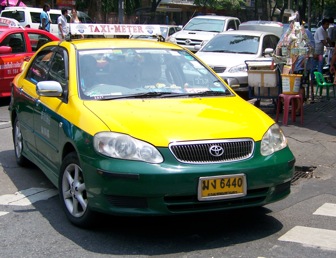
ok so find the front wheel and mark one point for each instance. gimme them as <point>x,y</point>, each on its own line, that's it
<point>73,194</point>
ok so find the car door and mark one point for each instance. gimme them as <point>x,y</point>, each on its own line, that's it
<point>11,63</point>
<point>47,122</point>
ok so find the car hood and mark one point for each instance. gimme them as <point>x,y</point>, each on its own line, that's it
<point>224,59</point>
<point>199,35</point>
<point>162,121</point>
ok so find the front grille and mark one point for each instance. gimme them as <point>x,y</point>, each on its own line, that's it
<point>212,151</point>
<point>218,69</point>
<point>188,42</point>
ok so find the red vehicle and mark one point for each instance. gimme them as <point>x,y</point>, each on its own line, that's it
<point>17,44</point>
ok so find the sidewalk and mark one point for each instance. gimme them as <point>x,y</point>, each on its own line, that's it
<point>314,142</point>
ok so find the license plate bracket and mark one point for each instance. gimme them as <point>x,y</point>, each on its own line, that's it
<point>221,187</point>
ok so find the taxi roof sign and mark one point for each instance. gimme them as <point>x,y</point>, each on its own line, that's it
<point>9,22</point>
<point>114,29</point>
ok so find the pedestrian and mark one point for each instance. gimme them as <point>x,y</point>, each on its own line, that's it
<point>332,31</point>
<point>45,18</point>
<point>333,64</point>
<point>74,19</point>
<point>63,24</point>
<point>321,40</point>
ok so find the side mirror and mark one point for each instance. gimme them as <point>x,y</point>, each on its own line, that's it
<point>49,89</point>
<point>268,51</point>
<point>5,50</point>
<point>197,47</point>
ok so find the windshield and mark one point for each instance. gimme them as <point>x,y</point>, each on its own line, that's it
<point>123,73</point>
<point>205,25</point>
<point>232,43</point>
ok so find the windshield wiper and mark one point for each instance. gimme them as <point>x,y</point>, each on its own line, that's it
<point>219,51</point>
<point>139,95</point>
<point>246,52</point>
<point>202,93</point>
<point>167,95</point>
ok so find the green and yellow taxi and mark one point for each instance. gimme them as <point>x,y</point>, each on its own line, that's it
<point>134,127</point>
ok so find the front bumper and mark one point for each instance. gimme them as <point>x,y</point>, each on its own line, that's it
<point>137,188</point>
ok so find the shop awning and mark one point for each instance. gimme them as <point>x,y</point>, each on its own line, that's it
<point>11,3</point>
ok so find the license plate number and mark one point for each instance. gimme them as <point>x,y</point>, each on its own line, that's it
<point>221,187</point>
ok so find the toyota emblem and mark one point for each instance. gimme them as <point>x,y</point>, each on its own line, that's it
<point>187,41</point>
<point>216,150</point>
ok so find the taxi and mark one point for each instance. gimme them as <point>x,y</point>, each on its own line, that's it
<point>134,127</point>
<point>17,44</point>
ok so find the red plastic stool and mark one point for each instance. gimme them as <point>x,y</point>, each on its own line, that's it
<point>289,99</point>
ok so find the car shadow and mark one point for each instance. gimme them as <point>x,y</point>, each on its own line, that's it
<point>165,235</point>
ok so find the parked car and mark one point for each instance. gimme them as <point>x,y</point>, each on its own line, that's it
<point>135,127</point>
<point>201,29</point>
<point>227,52</point>
<point>165,32</point>
<point>277,28</point>
<point>17,45</point>
<point>30,17</point>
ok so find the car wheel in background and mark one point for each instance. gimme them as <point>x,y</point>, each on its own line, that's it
<point>18,144</point>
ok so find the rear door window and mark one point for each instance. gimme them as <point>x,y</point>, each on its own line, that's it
<point>17,15</point>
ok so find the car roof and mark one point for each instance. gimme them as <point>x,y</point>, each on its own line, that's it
<point>247,32</point>
<point>11,8</point>
<point>262,22</point>
<point>215,17</point>
<point>101,43</point>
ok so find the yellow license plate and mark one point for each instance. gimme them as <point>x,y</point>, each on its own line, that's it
<point>221,187</point>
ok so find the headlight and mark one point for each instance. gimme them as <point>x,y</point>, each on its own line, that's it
<point>273,140</point>
<point>204,42</point>
<point>237,69</point>
<point>122,146</point>
<point>172,39</point>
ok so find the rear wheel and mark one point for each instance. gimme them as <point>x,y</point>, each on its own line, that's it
<point>18,144</point>
<point>73,194</point>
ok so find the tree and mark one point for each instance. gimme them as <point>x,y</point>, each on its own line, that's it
<point>221,4</point>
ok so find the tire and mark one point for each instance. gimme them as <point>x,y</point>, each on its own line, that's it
<point>73,194</point>
<point>18,145</point>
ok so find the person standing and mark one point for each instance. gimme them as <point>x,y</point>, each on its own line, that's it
<point>45,18</point>
<point>332,31</point>
<point>333,64</point>
<point>74,19</point>
<point>74,16</point>
<point>63,24</point>
<point>321,40</point>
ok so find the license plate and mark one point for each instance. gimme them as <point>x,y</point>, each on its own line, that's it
<point>221,187</point>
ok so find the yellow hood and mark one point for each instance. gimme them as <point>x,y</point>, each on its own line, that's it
<point>161,121</point>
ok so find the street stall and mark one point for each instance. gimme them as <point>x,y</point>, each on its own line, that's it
<point>295,51</point>
<point>264,80</point>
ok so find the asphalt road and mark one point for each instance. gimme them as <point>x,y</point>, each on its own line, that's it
<point>32,223</point>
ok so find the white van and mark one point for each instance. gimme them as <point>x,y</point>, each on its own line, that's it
<point>201,29</point>
<point>30,16</point>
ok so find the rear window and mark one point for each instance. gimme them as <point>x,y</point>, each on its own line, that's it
<point>17,15</point>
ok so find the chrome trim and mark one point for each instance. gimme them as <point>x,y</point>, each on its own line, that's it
<point>198,152</point>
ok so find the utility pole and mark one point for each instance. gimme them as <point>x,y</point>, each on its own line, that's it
<point>121,12</point>
<point>309,14</point>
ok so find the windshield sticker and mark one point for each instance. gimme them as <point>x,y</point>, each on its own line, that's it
<point>159,51</point>
<point>195,90</point>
